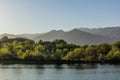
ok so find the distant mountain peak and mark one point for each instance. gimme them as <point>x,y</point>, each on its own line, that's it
<point>60,30</point>
<point>56,31</point>
<point>53,31</point>
<point>75,30</point>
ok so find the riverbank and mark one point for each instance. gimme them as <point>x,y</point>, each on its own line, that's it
<point>56,62</point>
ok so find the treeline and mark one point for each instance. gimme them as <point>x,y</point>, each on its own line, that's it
<point>58,50</point>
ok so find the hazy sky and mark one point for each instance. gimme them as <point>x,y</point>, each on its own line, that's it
<point>37,16</point>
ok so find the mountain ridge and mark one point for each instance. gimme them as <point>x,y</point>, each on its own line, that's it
<point>79,36</point>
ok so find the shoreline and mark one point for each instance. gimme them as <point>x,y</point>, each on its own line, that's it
<point>57,62</point>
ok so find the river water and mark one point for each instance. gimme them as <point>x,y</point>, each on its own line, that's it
<point>60,72</point>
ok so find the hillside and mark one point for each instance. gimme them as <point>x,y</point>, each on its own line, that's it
<point>74,36</point>
<point>81,36</point>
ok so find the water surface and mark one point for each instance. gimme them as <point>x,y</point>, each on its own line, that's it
<point>60,72</point>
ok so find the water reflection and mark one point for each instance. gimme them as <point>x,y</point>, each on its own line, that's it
<point>58,66</point>
<point>82,66</point>
<point>22,66</point>
<point>60,72</point>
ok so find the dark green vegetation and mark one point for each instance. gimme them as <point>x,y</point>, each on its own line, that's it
<point>21,49</point>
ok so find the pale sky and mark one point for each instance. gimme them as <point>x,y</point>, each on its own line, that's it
<point>38,16</point>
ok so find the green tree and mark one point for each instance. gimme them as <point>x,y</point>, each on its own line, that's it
<point>91,53</point>
<point>76,55</point>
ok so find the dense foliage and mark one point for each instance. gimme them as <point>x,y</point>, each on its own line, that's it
<point>57,50</point>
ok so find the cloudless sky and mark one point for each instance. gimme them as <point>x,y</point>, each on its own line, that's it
<point>38,16</point>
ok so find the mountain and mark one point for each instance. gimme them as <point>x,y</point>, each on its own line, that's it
<point>81,36</point>
<point>28,36</point>
<point>74,36</point>
<point>50,36</point>
<point>111,32</point>
<point>115,34</point>
<point>108,31</point>
<point>9,35</point>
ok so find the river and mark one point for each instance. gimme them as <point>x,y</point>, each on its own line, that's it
<point>60,72</point>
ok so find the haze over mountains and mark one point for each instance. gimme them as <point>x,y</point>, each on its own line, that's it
<point>79,36</point>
